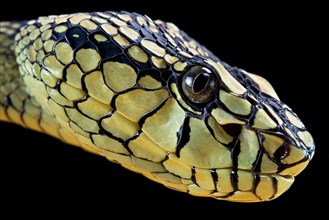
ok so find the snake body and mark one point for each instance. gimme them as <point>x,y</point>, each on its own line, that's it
<point>143,94</point>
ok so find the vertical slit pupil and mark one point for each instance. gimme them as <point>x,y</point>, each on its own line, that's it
<point>200,82</point>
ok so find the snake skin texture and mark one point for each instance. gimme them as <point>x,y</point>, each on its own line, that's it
<point>144,94</point>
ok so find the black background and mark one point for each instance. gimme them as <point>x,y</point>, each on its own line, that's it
<point>281,42</point>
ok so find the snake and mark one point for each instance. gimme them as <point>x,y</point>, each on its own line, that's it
<point>143,94</point>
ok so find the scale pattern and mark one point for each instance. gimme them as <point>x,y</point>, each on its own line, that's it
<point>110,82</point>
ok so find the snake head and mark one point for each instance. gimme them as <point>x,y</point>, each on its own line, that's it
<point>147,96</point>
<point>258,144</point>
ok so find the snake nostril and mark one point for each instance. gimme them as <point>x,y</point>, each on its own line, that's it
<point>282,152</point>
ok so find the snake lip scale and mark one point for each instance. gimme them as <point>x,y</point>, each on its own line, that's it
<point>145,95</point>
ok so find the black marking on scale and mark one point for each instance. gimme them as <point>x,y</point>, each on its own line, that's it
<point>254,187</point>
<point>89,132</point>
<point>209,128</point>
<point>258,161</point>
<point>92,36</point>
<point>183,135</point>
<point>283,166</point>
<point>253,111</point>
<point>128,37</point>
<point>238,116</point>
<point>234,179</point>
<point>227,195</point>
<point>76,37</point>
<point>236,149</point>
<point>276,105</point>
<point>165,75</point>
<point>193,178</point>
<point>83,83</point>
<point>105,131</point>
<point>58,87</point>
<point>149,114</point>
<point>76,106</point>
<point>275,187</point>
<point>40,118</point>
<point>214,177</point>
<point>21,115</point>
<point>64,76</point>
<point>245,80</point>
<point>166,158</point>
<point>147,34</point>
<point>152,72</point>
<point>162,41</point>
<point>116,94</point>
<point>59,35</point>
<point>133,24</point>
<point>10,103</point>
<point>109,49</point>
<point>120,58</point>
<point>139,65</point>
<point>135,136</point>
<point>89,45</point>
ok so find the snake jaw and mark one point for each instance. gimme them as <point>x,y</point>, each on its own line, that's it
<point>268,144</point>
<point>266,190</point>
<point>240,185</point>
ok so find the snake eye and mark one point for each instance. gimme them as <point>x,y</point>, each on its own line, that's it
<point>199,84</point>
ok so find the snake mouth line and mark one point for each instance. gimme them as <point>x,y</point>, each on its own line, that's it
<point>242,185</point>
<point>234,172</point>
